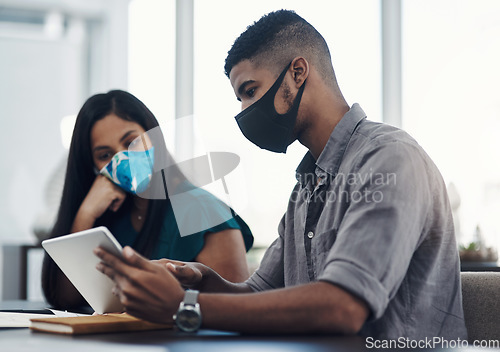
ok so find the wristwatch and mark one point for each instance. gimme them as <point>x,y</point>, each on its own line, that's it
<point>188,316</point>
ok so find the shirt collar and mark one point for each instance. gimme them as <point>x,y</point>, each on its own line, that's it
<point>331,156</point>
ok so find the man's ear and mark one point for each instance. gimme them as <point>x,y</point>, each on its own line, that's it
<point>300,70</point>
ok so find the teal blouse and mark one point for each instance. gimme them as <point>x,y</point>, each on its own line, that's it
<point>171,244</point>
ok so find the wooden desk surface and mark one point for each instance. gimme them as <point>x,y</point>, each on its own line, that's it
<point>25,340</point>
<point>173,341</point>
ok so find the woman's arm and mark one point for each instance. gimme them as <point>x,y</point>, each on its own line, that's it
<point>103,195</point>
<point>225,253</point>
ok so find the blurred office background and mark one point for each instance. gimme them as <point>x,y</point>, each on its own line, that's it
<point>428,66</point>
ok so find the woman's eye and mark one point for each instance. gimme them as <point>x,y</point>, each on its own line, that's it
<point>104,156</point>
<point>134,144</point>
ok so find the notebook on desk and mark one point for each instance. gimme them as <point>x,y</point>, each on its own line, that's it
<point>93,324</point>
<point>18,320</point>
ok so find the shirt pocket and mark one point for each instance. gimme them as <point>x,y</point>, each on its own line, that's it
<point>321,245</point>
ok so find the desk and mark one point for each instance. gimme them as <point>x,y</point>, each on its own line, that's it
<point>172,341</point>
<point>25,340</point>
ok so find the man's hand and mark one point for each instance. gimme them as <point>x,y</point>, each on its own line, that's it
<point>200,277</point>
<point>190,275</point>
<point>147,289</point>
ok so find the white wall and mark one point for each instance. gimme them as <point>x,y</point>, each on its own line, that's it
<point>451,56</point>
<point>48,67</point>
<point>42,81</point>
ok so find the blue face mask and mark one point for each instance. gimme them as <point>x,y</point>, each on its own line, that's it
<point>130,170</point>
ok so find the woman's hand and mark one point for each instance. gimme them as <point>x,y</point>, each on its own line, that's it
<point>103,195</point>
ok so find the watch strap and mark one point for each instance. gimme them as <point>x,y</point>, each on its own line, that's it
<point>191,297</point>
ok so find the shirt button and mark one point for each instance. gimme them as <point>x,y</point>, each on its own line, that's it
<point>310,234</point>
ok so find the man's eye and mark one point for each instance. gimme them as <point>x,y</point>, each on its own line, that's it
<point>250,92</point>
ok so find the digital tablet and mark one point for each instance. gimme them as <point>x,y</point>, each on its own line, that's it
<point>74,255</point>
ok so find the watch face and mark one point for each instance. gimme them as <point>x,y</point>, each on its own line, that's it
<point>188,319</point>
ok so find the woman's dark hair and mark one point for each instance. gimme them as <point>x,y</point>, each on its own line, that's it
<point>80,176</point>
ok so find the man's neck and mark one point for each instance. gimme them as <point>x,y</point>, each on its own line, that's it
<point>320,127</point>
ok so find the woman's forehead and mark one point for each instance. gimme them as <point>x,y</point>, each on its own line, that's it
<point>112,128</point>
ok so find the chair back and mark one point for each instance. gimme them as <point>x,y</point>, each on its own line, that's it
<point>481,302</point>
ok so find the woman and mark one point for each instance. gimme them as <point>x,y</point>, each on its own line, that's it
<point>98,190</point>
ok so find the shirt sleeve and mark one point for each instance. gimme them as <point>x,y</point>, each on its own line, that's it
<point>381,230</point>
<point>206,213</point>
<point>270,274</point>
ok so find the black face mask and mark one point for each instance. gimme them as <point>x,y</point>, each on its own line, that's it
<point>263,126</point>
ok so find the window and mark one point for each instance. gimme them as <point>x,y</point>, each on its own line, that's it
<point>451,102</point>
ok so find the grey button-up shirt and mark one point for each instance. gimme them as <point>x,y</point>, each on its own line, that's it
<point>372,216</point>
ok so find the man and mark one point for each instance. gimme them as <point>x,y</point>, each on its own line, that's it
<point>366,245</point>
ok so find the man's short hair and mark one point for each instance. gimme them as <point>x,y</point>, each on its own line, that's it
<point>276,39</point>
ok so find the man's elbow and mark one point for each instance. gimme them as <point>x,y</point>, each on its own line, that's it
<point>354,318</point>
<point>346,314</point>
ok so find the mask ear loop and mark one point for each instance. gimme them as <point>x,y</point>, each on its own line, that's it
<point>271,93</point>
<point>268,96</point>
<point>295,107</point>
<point>145,145</point>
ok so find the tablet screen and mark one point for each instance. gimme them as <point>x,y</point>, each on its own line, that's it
<point>75,257</point>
